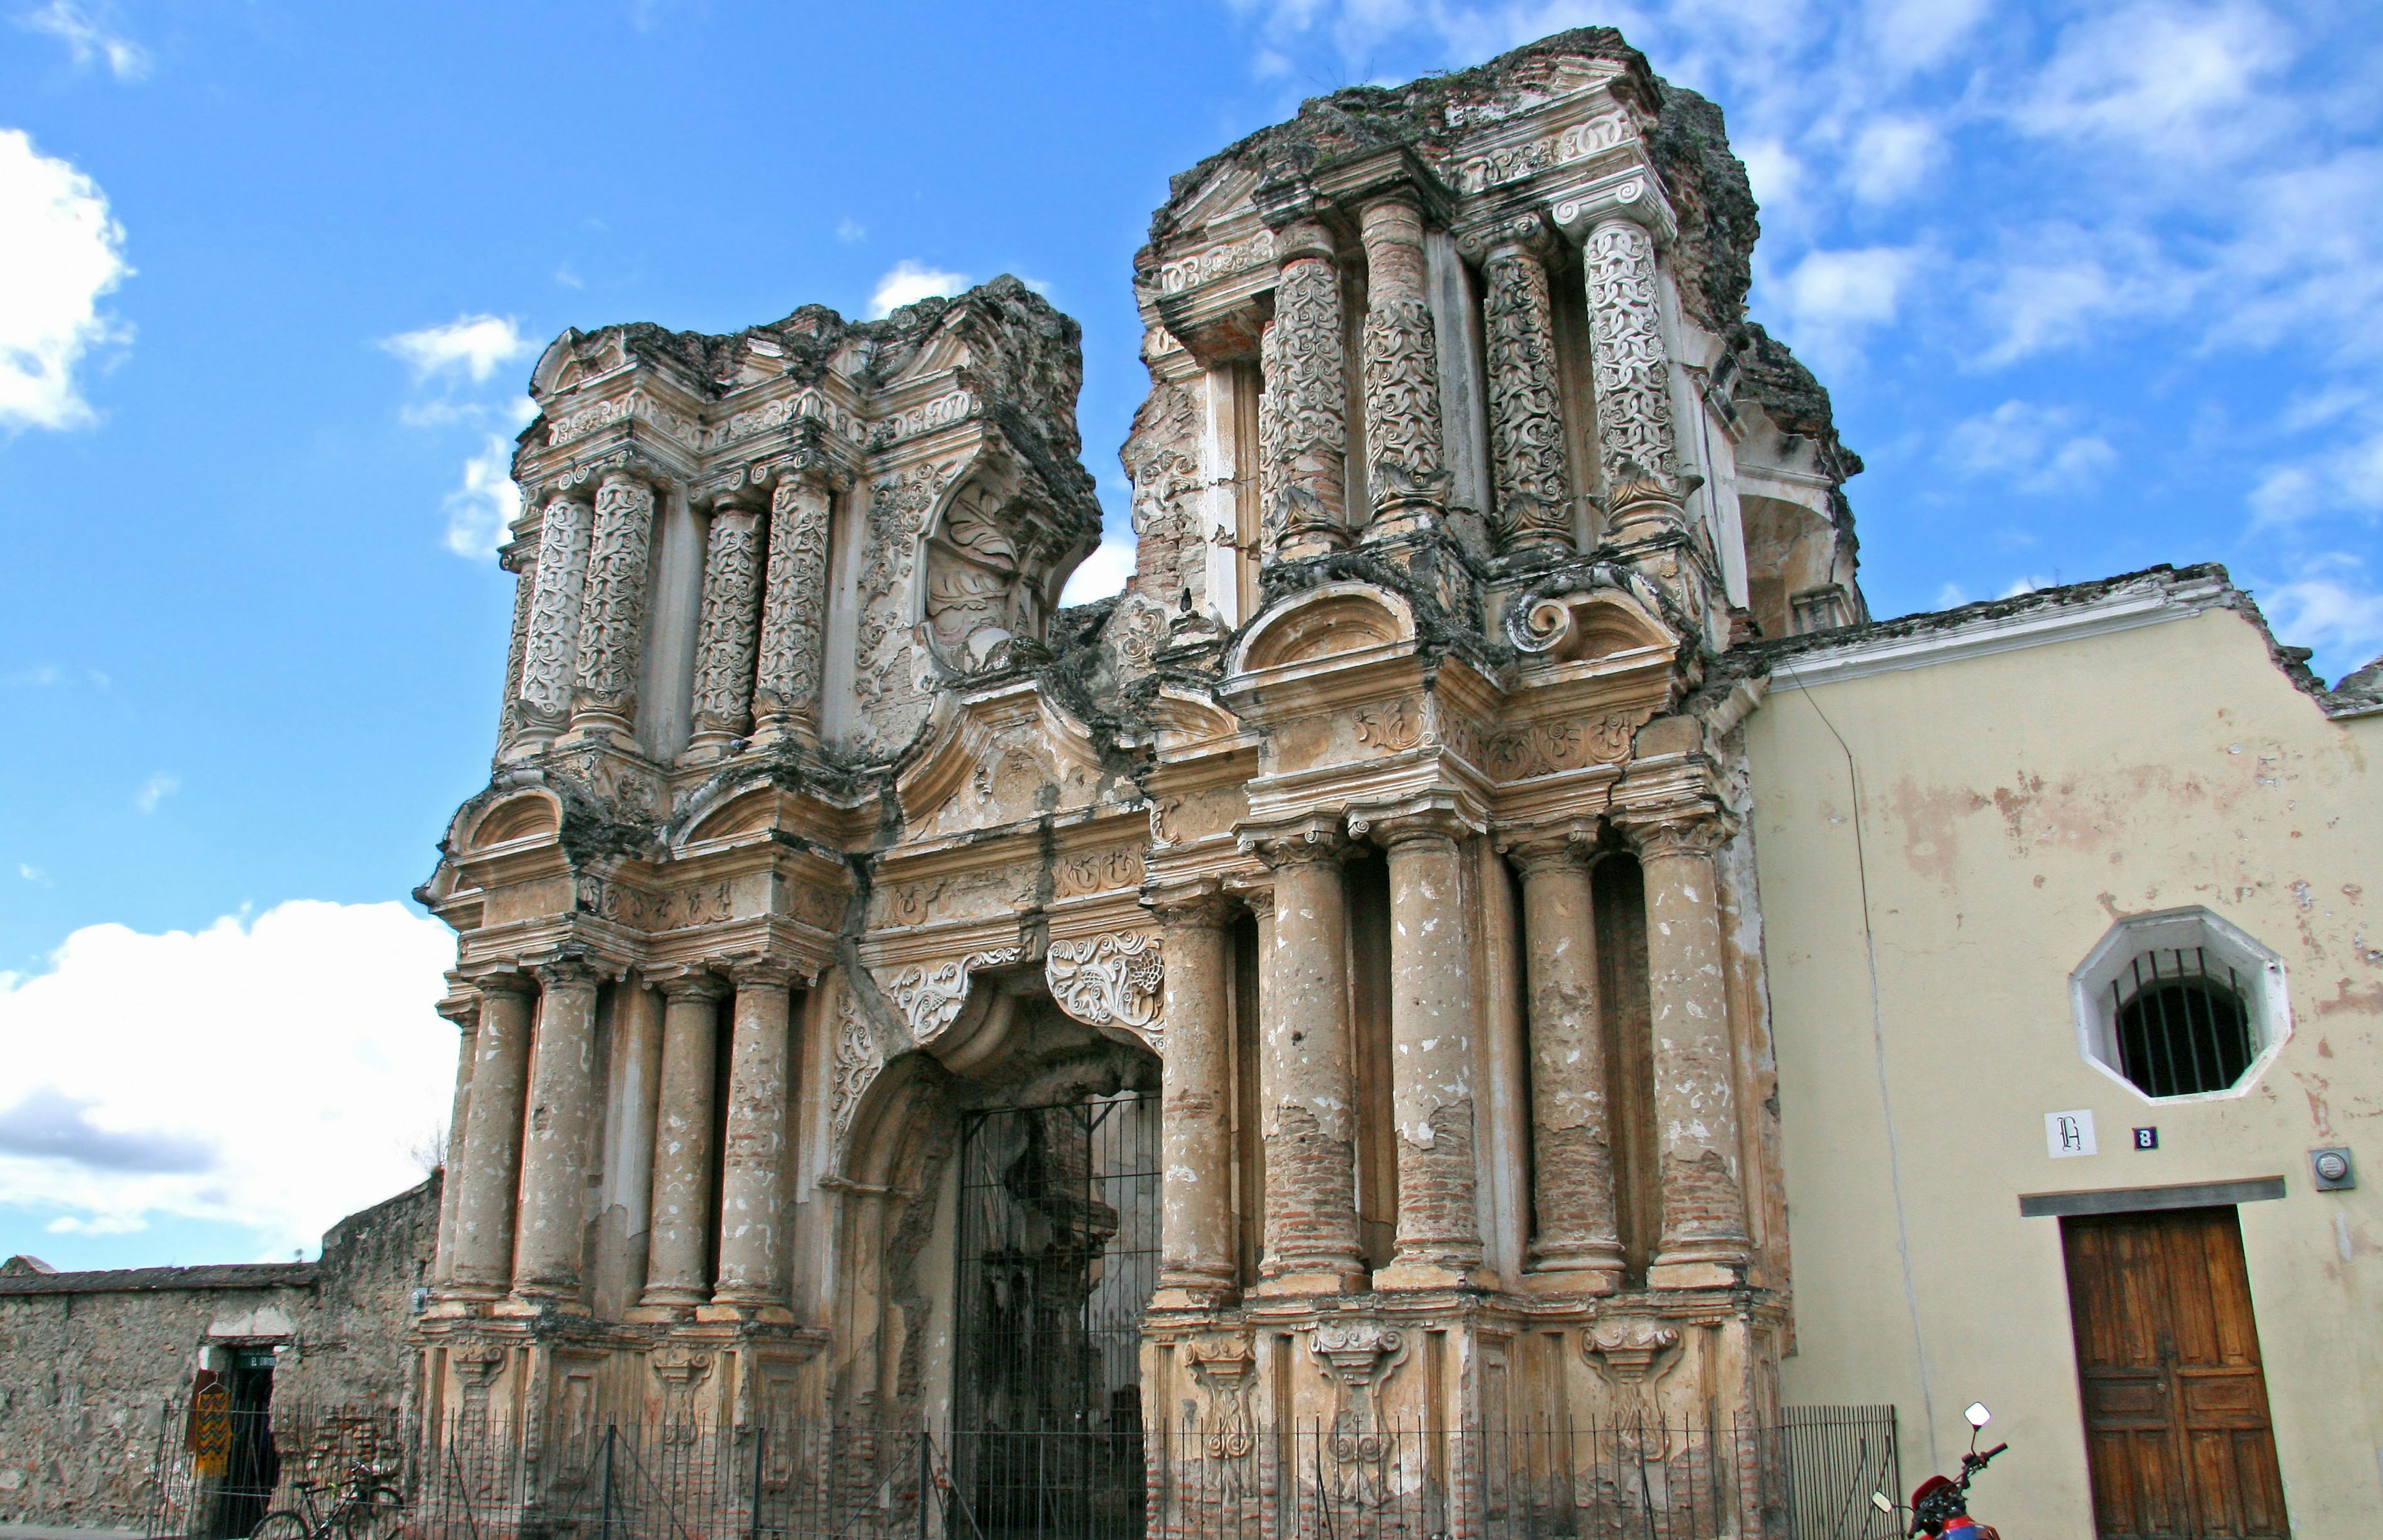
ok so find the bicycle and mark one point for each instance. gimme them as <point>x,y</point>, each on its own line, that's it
<point>367,1509</point>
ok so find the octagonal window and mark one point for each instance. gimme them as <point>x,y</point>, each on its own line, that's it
<point>2180,1004</point>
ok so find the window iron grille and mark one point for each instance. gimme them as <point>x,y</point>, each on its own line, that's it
<point>2182,1027</point>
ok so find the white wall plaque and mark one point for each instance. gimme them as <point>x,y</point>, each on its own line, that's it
<point>2069,1133</point>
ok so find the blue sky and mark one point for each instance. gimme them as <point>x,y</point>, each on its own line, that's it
<point>2094,287</point>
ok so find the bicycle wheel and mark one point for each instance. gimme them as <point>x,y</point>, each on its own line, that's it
<point>377,1514</point>
<point>284,1525</point>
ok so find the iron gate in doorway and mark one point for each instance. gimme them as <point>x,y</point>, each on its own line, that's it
<point>1059,1249</point>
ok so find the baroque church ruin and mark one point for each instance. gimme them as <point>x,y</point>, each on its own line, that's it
<point>1328,1041</point>
<point>1347,936</point>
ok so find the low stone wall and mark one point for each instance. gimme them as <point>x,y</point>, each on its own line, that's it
<point>90,1362</point>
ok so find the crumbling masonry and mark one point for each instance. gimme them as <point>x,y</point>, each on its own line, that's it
<point>1387,830</point>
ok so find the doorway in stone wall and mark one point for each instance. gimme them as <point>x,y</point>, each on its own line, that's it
<point>1058,1257</point>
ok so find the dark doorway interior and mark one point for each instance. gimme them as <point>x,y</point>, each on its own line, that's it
<point>2167,1359</point>
<point>1058,1258</point>
<point>252,1467</point>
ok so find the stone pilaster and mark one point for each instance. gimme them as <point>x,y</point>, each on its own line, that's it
<point>465,1012</point>
<point>550,654</point>
<point>1306,1070</point>
<point>752,1198</point>
<point>1406,480</point>
<point>1578,1243</point>
<point>1196,1203</point>
<point>1526,437</point>
<point>725,639</point>
<point>678,1252</point>
<point>547,1252</point>
<point>1432,1029</point>
<point>492,1139</point>
<point>612,611</point>
<point>1303,410</point>
<point>794,615</point>
<point>1704,1238</point>
<point>1635,446</point>
<point>522,561</point>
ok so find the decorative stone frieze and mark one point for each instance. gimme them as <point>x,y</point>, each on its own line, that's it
<point>930,997</point>
<point>1116,979</point>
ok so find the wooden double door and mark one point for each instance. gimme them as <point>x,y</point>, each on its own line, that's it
<point>2168,1354</point>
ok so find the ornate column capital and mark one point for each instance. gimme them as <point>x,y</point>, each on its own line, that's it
<point>1672,833</point>
<point>462,1010</point>
<point>1296,841</point>
<point>1570,843</point>
<point>764,972</point>
<point>1434,818</point>
<point>511,979</point>
<point>1201,901</point>
<point>568,972</point>
<point>694,984</point>
<point>1528,234</point>
<point>1304,238</point>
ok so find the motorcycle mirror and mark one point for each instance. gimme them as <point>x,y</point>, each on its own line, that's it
<point>1978,1414</point>
<point>1879,1500</point>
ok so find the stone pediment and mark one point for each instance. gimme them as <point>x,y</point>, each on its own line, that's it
<point>999,756</point>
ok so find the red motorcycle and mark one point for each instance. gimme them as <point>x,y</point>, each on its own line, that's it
<point>1941,1506</point>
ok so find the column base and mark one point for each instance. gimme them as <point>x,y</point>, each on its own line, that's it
<point>761,1311</point>
<point>527,1301</point>
<point>775,729</point>
<point>1430,1274</point>
<point>707,749</point>
<point>1206,1296</point>
<point>1696,1275</point>
<point>1301,1283</point>
<point>1572,1280</point>
<point>595,727</point>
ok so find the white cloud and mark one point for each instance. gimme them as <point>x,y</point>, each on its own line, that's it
<point>2174,82</point>
<point>63,251</point>
<point>2346,475</point>
<point>2027,583</point>
<point>1773,172</point>
<point>478,510</point>
<point>156,789</point>
<point>850,230</point>
<point>1891,156</point>
<point>1834,297</point>
<point>2036,449</point>
<point>272,1075</point>
<point>33,873</point>
<point>1952,597</point>
<point>1104,572</point>
<point>473,345</point>
<point>908,282</point>
<point>89,37</point>
<point>2333,607</point>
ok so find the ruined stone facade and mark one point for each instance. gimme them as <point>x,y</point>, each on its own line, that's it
<point>1387,831</point>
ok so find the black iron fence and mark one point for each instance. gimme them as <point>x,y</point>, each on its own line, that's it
<point>352,1475</point>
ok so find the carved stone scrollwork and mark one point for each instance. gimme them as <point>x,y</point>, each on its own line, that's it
<point>1527,440</point>
<point>1358,1357</point>
<point>1113,980</point>
<point>1226,1368</point>
<point>613,610</point>
<point>680,1371</point>
<point>1635,443</point>
<point>1407,477</point>
<point>930,1000</point>
<point>856,1062</point>
<point>550,662</point>
<point>1303,410</point>
<point>984,604</point>
<point>1627,1351</point>
<point>724,671</point>
<point>794,604</point>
